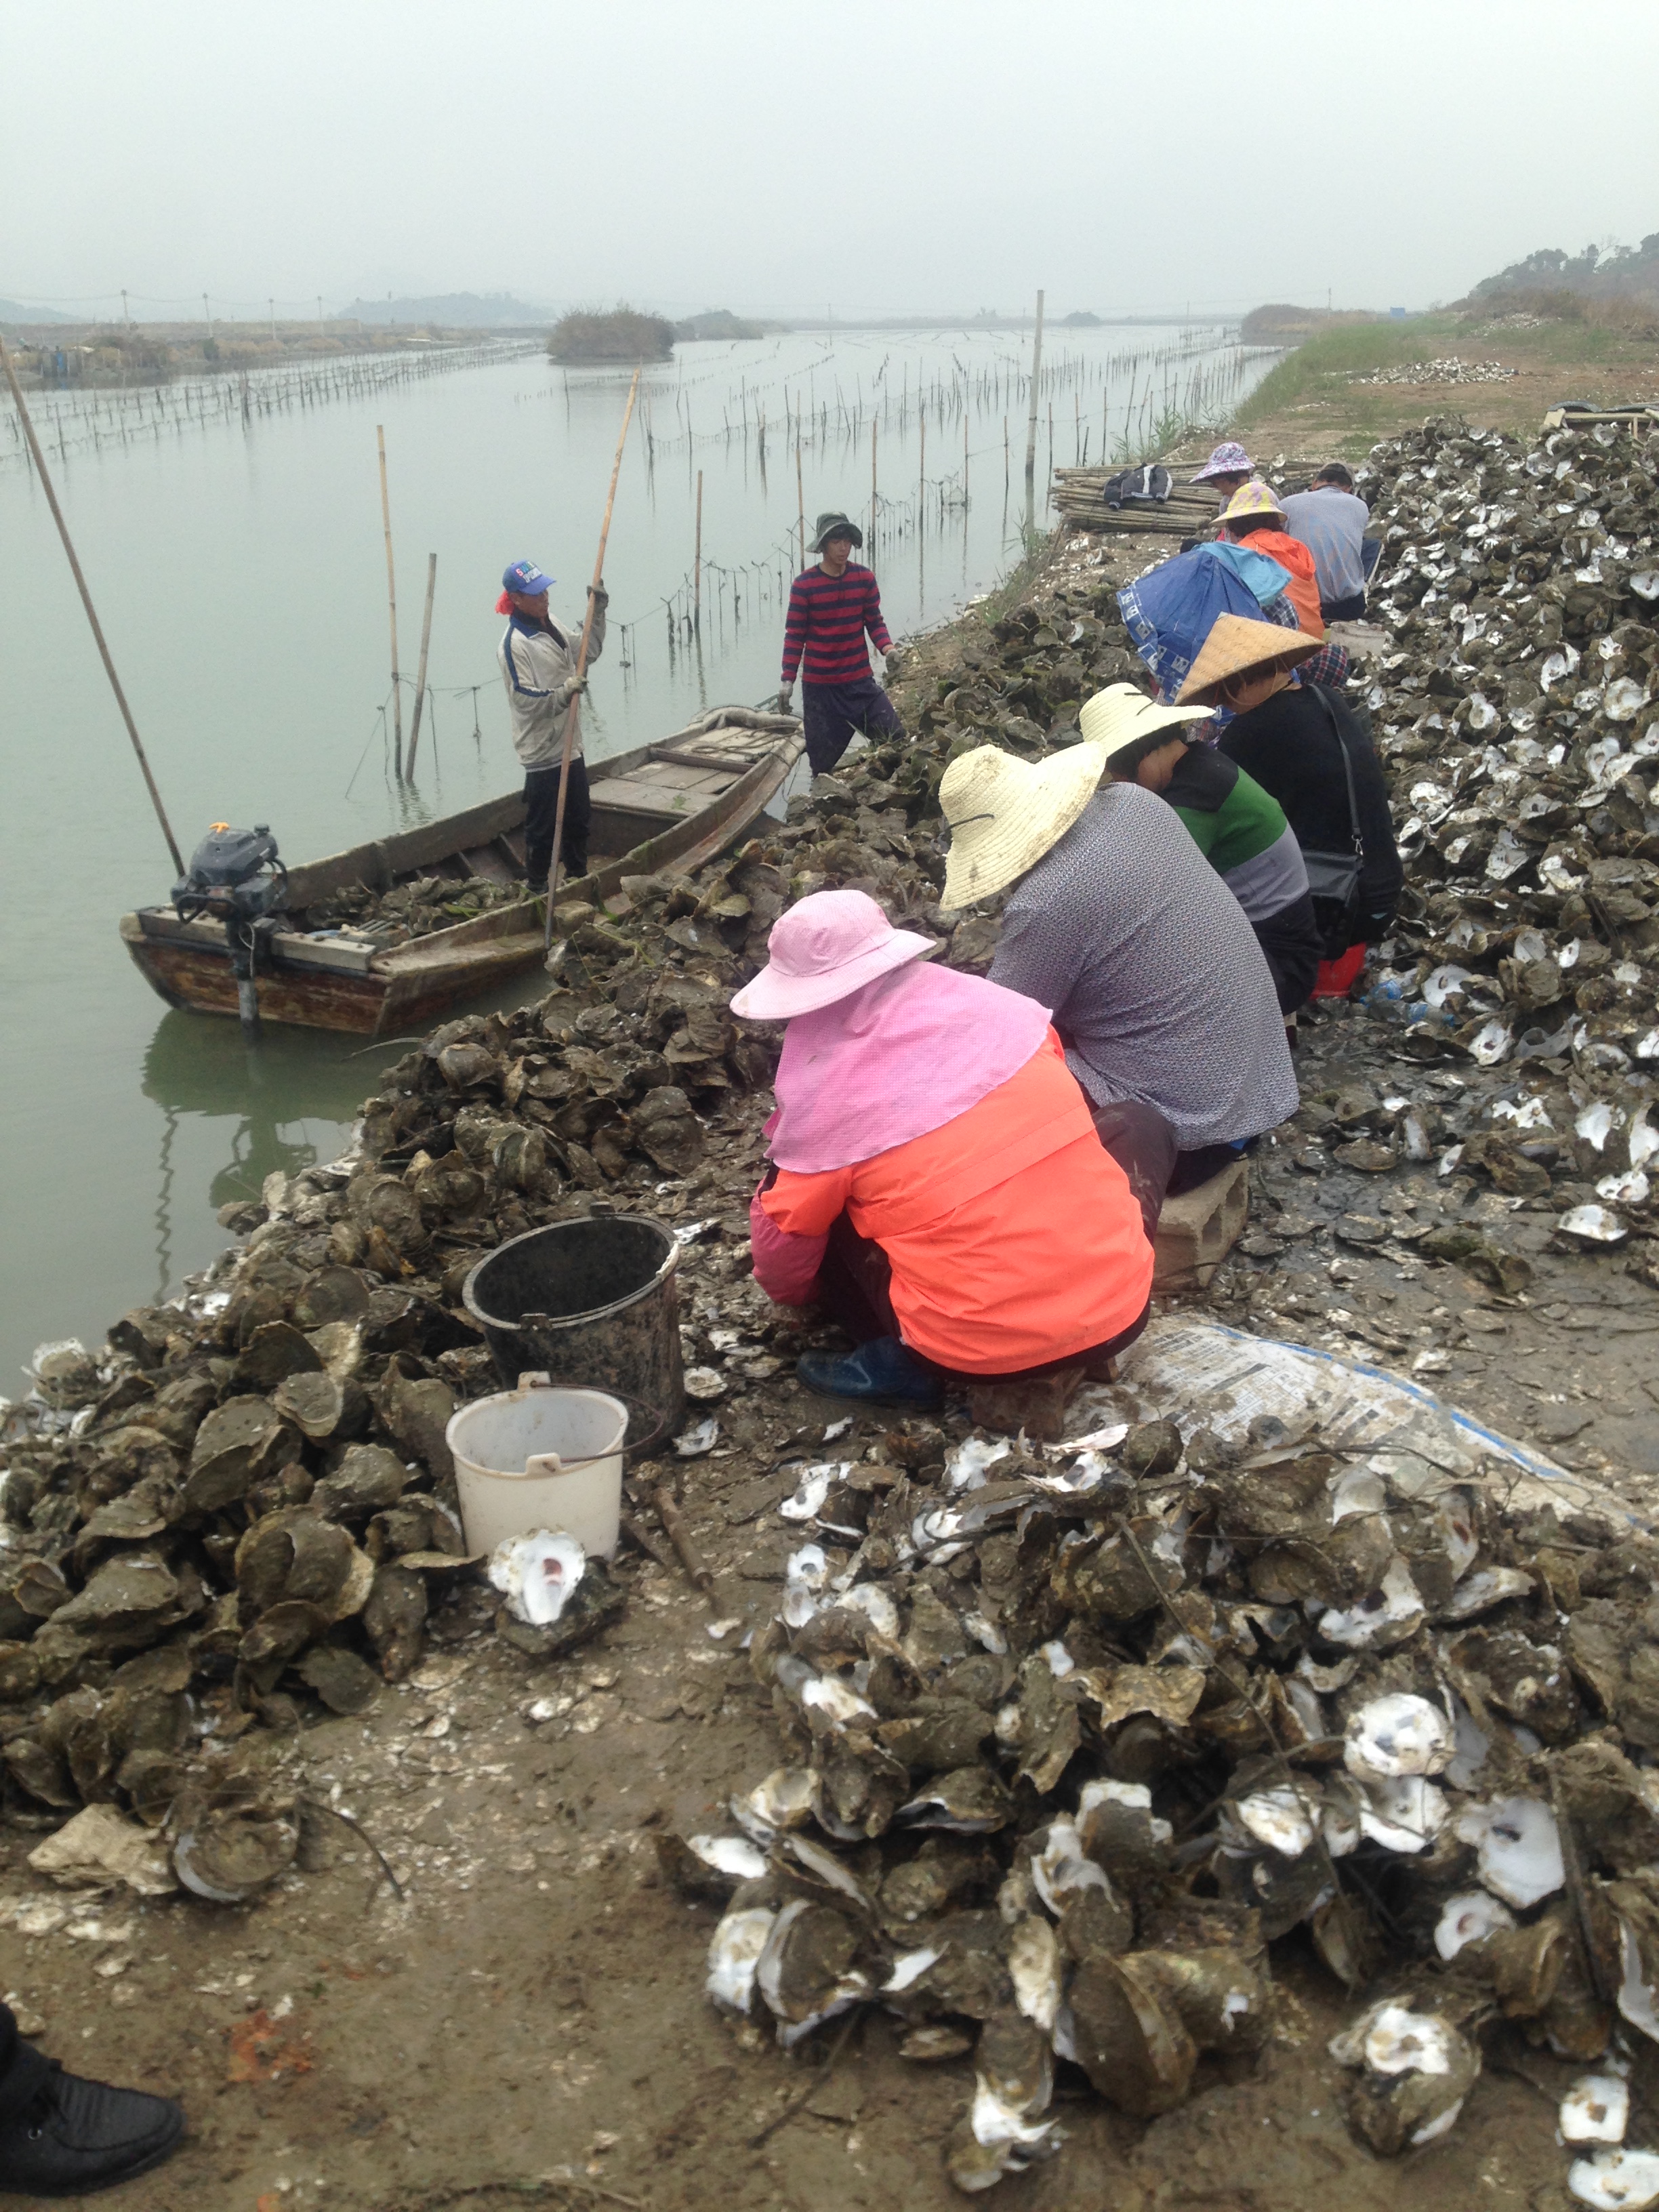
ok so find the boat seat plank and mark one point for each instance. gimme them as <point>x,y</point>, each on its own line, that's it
<point>643,799</point>
<point>737,763</point>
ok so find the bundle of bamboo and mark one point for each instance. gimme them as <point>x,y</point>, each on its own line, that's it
<point>1079,497</point>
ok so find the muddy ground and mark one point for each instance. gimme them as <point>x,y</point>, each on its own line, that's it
<point>531,2007</point>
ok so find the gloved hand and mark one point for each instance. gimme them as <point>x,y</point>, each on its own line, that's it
<point>575,688</point>
<point>784,699</point>
<point>598,591</point>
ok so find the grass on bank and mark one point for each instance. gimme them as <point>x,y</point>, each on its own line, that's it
<point>1311,403</point>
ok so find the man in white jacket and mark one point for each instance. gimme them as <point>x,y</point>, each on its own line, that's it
<point>538,666</point>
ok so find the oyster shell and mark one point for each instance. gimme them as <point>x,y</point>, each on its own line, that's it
<point>734,1954</point>
<point>1469,1918</point>
<point>806,1971</point>
<point>1518,1847</point>
<point>1595,2109</point>
<point>538,1574</point>
<point>1397,1735</point>
<point>1616,2180</point>
<point>1412,2071</point>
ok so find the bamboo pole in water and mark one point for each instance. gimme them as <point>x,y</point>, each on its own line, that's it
<point>420,678</point>
<point>92,612</point>
<point>872,485</point>
<point>697,565</point>
<point>391,598</point>
<point>1031,419</point>
<point>800,500</point>
<point>581,669</point>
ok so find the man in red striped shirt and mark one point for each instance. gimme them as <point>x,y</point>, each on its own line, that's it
<point>830,608</point>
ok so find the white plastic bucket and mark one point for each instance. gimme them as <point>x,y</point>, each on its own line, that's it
<point>540,1458</point>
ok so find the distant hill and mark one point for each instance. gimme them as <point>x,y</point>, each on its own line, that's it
<point>456,310</point>
<point>1080,320</point>
<point>1616,272</point>
<point>718,323</point>
<point>13,311</point>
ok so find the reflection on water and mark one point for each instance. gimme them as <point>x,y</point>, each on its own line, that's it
<point>284,1103</point>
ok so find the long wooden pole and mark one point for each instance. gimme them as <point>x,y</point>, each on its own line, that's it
<point>800,501</point>
<point>697,565</point>
<point>391,599</point>
<point>581,669</point>
<point>426,638</point>
<point>872,484</point>
<point>1031,419</point>
<point>92,612</point>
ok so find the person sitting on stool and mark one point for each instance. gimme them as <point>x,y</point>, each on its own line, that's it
<point>538,666</point>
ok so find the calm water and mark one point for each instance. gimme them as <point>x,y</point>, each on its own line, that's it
<point>240,573</point>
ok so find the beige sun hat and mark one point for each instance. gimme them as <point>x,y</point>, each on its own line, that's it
<point>1252,499</point>
<point>1236,645</point>
<point>1122,716</point>
<point>1005,814</point>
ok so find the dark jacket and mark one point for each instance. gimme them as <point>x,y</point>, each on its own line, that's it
<point>1288,744</point>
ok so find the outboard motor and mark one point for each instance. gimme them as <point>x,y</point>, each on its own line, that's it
<point>235,875</point>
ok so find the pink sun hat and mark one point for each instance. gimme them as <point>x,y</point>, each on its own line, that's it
<point>826,947</point>
<point>1227,461</point>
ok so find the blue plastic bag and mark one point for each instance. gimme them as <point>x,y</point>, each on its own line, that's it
<point>1170,611</point>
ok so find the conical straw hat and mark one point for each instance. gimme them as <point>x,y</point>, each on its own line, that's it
<point>1121,716</point>
<point>1005,814</point>
<point>1236,644</point>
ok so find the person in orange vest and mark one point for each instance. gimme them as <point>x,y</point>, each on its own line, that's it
<point>1254,513</point>
<point>936,1184</point>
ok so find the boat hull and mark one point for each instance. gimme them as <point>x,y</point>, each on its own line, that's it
<point>313,983</point>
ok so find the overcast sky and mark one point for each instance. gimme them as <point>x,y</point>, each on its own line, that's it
<point>871,155</point>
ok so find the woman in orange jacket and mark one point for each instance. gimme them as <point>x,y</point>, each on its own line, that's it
<point>1254,513</point>
<point>937,1183</point>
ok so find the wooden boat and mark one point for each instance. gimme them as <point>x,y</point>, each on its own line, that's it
<point>662,809</point>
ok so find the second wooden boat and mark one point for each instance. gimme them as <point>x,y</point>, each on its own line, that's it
<point>662,809</point>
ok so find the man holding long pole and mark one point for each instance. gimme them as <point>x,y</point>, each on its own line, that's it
<point>539,666</point>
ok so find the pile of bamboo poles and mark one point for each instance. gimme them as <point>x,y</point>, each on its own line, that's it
<point>1079,498</point>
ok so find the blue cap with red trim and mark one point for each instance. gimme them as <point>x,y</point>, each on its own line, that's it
<point>527,580</point>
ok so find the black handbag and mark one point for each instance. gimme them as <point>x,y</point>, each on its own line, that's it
<point>1334,877</point>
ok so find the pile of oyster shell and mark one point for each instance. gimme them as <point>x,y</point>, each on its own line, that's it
<point>1517,713</point>
<point>239,1513</point>
<point>1075,1737</point>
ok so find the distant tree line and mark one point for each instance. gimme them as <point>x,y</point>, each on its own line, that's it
<point>1599,272</point>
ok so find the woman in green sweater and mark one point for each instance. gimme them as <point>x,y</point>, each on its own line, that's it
<point>1237,826</point>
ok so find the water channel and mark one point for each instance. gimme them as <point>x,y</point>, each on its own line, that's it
<point>238,565</point>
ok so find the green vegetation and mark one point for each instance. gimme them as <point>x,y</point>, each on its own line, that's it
<point>1312,402</point>
<point>588,335</point>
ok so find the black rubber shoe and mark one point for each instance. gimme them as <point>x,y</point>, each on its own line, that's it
<point>79,2135</point>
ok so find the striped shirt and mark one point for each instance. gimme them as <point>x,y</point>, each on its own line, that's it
<point>827,617</point>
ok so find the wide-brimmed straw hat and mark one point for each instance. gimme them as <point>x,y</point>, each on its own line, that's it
<point>826,947</point>
<point>1253,498</point>
<point>1122,716</point>
<point>1005,814</point>
<point>1234,646</point>
<point>1227,461</point>
<point>835,526</point>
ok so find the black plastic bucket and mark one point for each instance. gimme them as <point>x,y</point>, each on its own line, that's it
<point>593,1304</point>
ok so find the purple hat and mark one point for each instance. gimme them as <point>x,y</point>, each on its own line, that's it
<point>826,947</point>
<point>524,578</point>
<point>1228,460</point>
